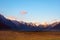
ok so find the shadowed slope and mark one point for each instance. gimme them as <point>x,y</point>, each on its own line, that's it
<point>7,24</point>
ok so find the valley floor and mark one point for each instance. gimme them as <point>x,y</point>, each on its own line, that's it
<point>14,35</point>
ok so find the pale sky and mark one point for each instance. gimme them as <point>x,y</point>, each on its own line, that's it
<point>31,10</point>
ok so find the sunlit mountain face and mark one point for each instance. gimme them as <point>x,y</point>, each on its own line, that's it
<point>34,23</point>
<point>11,18</point>
<point>45,24</point>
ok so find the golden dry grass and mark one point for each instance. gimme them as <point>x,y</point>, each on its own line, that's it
<point>13,35</point>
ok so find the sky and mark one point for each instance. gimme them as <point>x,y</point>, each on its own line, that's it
<point>31,10</point>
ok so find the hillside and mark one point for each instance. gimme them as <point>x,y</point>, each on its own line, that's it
<point>6,24</point>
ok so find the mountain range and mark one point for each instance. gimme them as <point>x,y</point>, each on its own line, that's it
<point>7,24</point>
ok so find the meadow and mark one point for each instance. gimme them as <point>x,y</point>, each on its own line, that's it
<point>14,35</point>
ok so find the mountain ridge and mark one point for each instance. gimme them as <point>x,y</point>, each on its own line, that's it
<point>6,24</point>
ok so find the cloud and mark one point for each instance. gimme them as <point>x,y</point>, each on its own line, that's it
<point>23,12</point>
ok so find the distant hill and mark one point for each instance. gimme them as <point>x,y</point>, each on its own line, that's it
<point>56,26</point>
<point>6,24</point>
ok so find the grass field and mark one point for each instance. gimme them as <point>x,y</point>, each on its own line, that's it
<point>13,35</point>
